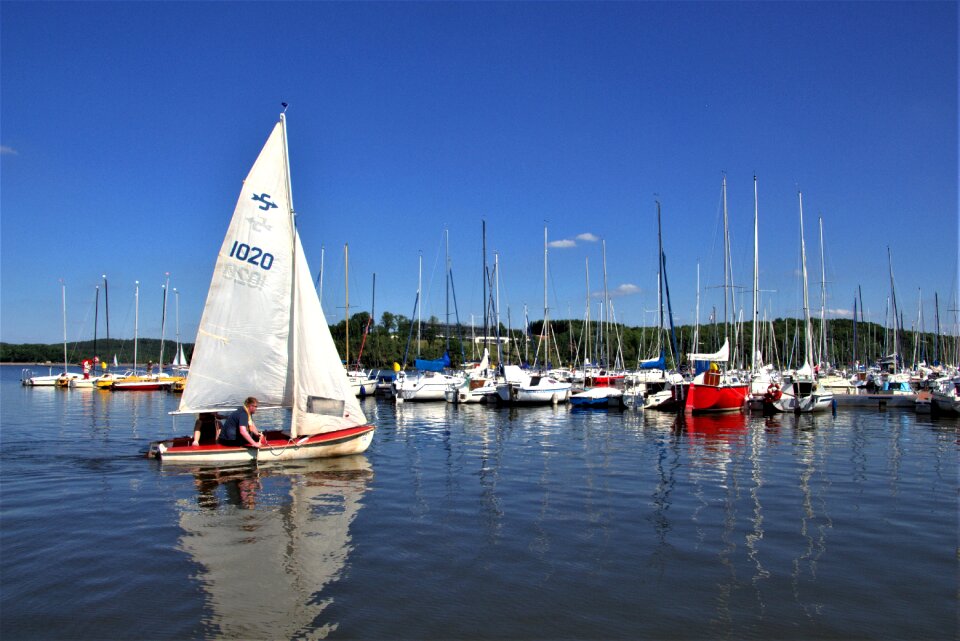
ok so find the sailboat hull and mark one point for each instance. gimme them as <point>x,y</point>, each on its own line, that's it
<point>279,447</point>
<point>789,403</point>
<point>705,399</point>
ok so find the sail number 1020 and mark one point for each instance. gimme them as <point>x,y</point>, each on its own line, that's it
<point>252,255</point>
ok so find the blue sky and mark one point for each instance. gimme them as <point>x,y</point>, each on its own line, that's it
<point>126,129</point>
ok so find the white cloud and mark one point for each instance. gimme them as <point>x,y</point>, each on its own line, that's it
<point>627,289</point>
<point>561,244</point>
<point>7,151</point>
<point>587,237</point>
<point>840,313</point>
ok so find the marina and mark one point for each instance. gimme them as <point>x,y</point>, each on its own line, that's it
<point>478,521</point>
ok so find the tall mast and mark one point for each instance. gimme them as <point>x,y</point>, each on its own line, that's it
<point>176,301</point>
<point>293,277</point>
<point>106,304</point>
<point>419,306</point>
<point>726,258</point>
<point>824,356</point>
<point>605,326</point>
<point>936,339</point>
<point>496,282</point>
<point>136,321</point>
<point>756,276</point>
<point>320,275</point>
<point>163,321</point>
<point>63,300</point>
<point>96,318</point>
<point>446,235</point>
<point>893,304</point>
<point>586,328</point>
<point>546,316</point>
<point>486,279</point>
<point>696,332</point>
<point>808,339</point>
<point>660,326</point>
<point>346,313</point>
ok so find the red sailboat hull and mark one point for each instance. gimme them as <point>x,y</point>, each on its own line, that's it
<point>703,398</point>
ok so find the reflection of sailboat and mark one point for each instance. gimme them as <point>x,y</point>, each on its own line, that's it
<point>263,571</point>
<point>713,425</point>
<point>263,334</point>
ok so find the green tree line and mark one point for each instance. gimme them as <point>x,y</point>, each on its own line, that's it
<point>395,339</point>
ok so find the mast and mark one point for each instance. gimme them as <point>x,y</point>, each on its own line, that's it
<point>808,339</point>
<point>136,322</point>
<point>163,322</point>
<point>660,326</point>
<point>106,304</point>
<point>605,325</point>
<point>96,318</point>
<point>586,329</point>
<point>176,300</point>
<point>446,235</point>
<point>756,276</point>
<point>292,365</point>
<point>696,331</point>
<point>893,304</point>
<point>855,332</point>
<point>726,259</point>
<point>346,315</point>
<point>486,300</point>
<point>63,300</point>
<point>419,307</point>
<point>546,316</point>
<point>824,356</point>
<point>936,339</point>
<point>320,274</point>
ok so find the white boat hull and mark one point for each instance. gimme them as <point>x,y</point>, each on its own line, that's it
<point>520,395</point>
<point>279,447</point>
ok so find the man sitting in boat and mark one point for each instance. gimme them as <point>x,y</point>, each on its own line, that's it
<point>238,430</point>
<point>207,428</point>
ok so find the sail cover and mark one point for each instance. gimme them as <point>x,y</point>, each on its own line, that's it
<point>245,343</point>
<point>437,365</point>
<point>655,363</point>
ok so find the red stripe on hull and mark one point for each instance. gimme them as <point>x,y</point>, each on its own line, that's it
<point>278,443</point>
<point>710,398</point>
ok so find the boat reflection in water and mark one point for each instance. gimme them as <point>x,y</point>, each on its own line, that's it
<point>269,540</point>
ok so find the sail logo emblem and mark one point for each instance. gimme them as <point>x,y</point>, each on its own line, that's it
<point>265,199</point>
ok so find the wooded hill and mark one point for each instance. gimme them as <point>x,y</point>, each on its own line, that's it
<point>396,336</point>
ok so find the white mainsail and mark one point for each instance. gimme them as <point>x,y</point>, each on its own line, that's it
<point>263,332</point>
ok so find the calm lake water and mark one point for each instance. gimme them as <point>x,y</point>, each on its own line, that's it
<point>480,523</point>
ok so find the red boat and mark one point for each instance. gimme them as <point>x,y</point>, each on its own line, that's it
<point>714,390</point>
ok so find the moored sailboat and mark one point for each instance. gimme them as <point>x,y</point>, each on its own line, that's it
<point>263,334</point>
<point>802,392</point>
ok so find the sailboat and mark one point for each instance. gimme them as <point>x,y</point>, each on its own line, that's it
<point>519,387</point>
<point>802,392</point>
<point>652,385</point>
<point>135,380</point>
<point>361,382</point>
<point>263,334</point>
<point>716,389</point>
<point>54,380</point>
<point>180,364</point>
